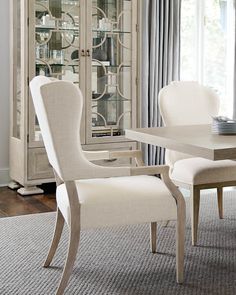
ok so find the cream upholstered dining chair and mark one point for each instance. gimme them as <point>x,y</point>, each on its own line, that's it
<point>91,196</point>
<point>189,103</point>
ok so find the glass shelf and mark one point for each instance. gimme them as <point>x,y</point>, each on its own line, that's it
<point>98,131</point>
<point>74,65</point>
<point>101,131</point>
<point>43,29</point>
<point>106,65</point>
<point>111,31</point>
<point>106,99</point>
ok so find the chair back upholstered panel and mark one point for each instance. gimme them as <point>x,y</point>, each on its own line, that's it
<point>58,105</point>
<point>186,103</point>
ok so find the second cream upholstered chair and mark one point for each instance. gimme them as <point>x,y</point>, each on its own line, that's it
<point>189,103</point>
<point>91,196</point>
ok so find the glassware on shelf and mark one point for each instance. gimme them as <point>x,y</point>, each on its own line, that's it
<point>105,24</point>
<point>57,56</point>
<point>47,21</point>
<point>42,52</point>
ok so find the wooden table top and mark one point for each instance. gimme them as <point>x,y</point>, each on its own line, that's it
<point>196,140</point>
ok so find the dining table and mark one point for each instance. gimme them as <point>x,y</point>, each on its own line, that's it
<point>196,140</point>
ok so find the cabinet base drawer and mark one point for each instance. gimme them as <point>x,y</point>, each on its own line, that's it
<point>113,147</point>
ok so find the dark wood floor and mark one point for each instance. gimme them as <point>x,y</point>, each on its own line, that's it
<point>13,204</point>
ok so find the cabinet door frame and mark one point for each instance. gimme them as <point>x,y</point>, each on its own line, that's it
<point>31,68</point>
<point>134,76</point>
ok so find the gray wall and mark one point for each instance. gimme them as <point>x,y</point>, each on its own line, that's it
<point>4,92</point>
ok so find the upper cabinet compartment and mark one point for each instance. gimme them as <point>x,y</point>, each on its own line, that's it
<point>112,67</point>
<point>57,38</point>
<point>93,44</point>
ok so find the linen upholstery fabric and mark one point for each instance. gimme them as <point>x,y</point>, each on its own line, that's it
<point>189,103</point>
<point>160,62</point>
<point>186,103</point>
<point>120,200</point>
<point>197,171</point>
<point>62,141</point>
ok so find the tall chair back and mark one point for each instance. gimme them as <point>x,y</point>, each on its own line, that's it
<point>58,105</point>
<point>186,103</point>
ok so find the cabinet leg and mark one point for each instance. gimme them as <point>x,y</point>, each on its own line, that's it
<point>30,190</point>
<point>13,185</point>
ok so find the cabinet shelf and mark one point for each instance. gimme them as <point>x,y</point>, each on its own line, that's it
<point>46,29</point>
<point>43,29</point>
<point>98,131</point>
<point>111,31</point>
<point>111,99</point>
<point>52,64</point>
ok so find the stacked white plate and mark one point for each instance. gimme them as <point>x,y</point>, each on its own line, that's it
<point>223,125</point>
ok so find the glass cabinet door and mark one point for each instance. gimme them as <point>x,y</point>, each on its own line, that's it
<point>16,74</point>
<point>111,69</point>
<point>56,44</point>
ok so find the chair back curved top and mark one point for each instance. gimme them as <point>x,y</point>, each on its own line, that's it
<point>186,103</point>
<point>58,106</point>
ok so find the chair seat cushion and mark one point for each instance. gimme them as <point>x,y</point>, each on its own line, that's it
<point>120,201</point>
<point>197,171</point>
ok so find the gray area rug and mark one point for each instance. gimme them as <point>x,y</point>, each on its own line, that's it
<point>118,260</point>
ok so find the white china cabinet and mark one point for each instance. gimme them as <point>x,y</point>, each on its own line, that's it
<point>93,43</point>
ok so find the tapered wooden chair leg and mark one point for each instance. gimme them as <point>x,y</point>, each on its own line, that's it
<point>195,200</point>
<point>153,237</point>
<point>71,256</point>
<point>56,238</point>
<point>180,241</point>
<point>220,201</point>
